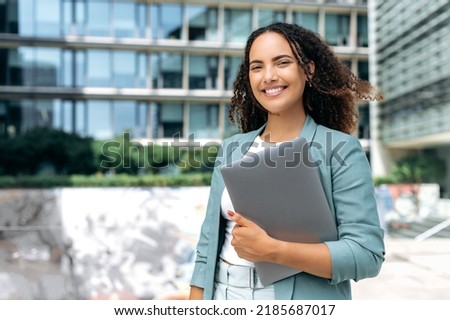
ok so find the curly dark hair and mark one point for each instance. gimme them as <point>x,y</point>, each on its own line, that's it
<point>330,96</point>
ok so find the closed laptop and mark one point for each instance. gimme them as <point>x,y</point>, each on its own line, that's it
<point>279,189</point>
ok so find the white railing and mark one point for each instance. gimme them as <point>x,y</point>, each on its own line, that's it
<point>432,231</point>
<point>443,211</point>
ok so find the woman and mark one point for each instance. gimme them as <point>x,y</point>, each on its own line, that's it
<point>290,83</point>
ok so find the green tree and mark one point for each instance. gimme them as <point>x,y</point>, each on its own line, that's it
<point>422,168</point>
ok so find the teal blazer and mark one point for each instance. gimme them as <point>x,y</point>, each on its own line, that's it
<point>346,178</point>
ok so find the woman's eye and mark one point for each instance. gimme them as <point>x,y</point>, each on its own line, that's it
<point>255,68</point>
<point>284,62</point>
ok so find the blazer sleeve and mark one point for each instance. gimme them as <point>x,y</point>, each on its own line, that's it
<point>359,251</point>
<point>200,266</point>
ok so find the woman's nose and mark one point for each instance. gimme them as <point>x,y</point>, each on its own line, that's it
<point>270,75</point>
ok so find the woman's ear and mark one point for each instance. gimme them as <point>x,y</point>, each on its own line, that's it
<point>311,68</point>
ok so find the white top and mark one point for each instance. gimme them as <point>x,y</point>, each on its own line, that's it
<point>228,253</point>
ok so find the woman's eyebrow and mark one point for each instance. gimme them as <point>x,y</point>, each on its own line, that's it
<point>281,56</point>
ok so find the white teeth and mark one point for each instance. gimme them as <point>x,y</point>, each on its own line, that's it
<point>273,90</point>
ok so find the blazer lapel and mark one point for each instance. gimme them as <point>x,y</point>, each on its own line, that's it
<point>309,129</point>
<point>243,144</point>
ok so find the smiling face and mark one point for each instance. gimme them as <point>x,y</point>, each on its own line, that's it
<point>276,79</point>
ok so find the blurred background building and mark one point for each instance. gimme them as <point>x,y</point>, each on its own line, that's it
<point>155,68</point>
<point>411,41</point>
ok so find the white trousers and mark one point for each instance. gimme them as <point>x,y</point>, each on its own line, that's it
<point>240,283</point>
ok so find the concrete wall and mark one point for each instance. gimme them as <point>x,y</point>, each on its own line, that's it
<point>99,243</point>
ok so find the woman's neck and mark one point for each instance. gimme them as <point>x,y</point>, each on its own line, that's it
<point>283,127</point>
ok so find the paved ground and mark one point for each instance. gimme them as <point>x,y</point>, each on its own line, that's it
<point>418,270</point>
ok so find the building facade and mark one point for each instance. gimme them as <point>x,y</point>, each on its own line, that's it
<point>411,41</point>
<point>156,68</point>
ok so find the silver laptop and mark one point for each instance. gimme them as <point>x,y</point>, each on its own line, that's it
<point>279,189</point>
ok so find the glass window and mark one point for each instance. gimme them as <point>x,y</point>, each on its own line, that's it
<point>3,117</point>
<point>124,19</point>
<point>142,70</point>
<point>81,118</point>
<point>47,113</point>
<point>26,17</point>
<point>34,66</point>
<point>124,117</point>
<point>142,20</point>
<point>26,114</point>
<point>67,68</point>
<point>170,120</point>
<point>13,67</point>
<point>98,18</point>
<point>80,68</point>
<point>3,29</point>
<point>266,17</point>
<point>12,118</point>
<point>80,17</point>
<point>124,69</point>
<point>363,37</point>
<point>20,67</point>
<point>238,25</point>
<point>98,68</point>
<point>68,15</point>
<point>167,21</point>
<point>99,119</point>
<point>142,120</point>
<point>171,71</point>
<point>57,116</point>
<point>337,29</point>
<point>202,23</point>
<point>308,20</point>
<point>155,69</point>
<point>231,68</point>
<point>67,116</point>
<point>3,68</point>
<point>20,116</point>
<point>9,22</point>
<point>204,121</point>
<point>48,20</point>
<point>202,72</point>
<point>47,67</point>
<point>363,70</point>
<point>154,119</point>
<point>364,122</point>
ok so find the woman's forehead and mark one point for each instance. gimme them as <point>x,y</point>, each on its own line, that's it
<point>270,43</point>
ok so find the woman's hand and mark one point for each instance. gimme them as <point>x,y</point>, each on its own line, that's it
<point>196,293</point>
<point>250,241</point>
<point>254,244</point>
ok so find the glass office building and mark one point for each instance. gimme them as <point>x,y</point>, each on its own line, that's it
<point>154,68</point>
<point>413,69</point>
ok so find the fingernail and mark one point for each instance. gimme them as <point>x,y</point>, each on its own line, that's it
<point>230,213</point>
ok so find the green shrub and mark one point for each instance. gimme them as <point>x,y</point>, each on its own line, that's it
<point>99,180</point>
<point>200,159</point>
<point>43,151</point>
<point>119,155</point>
<point>41,148</point>
<point>377,181</point>
<point>161,157</point>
